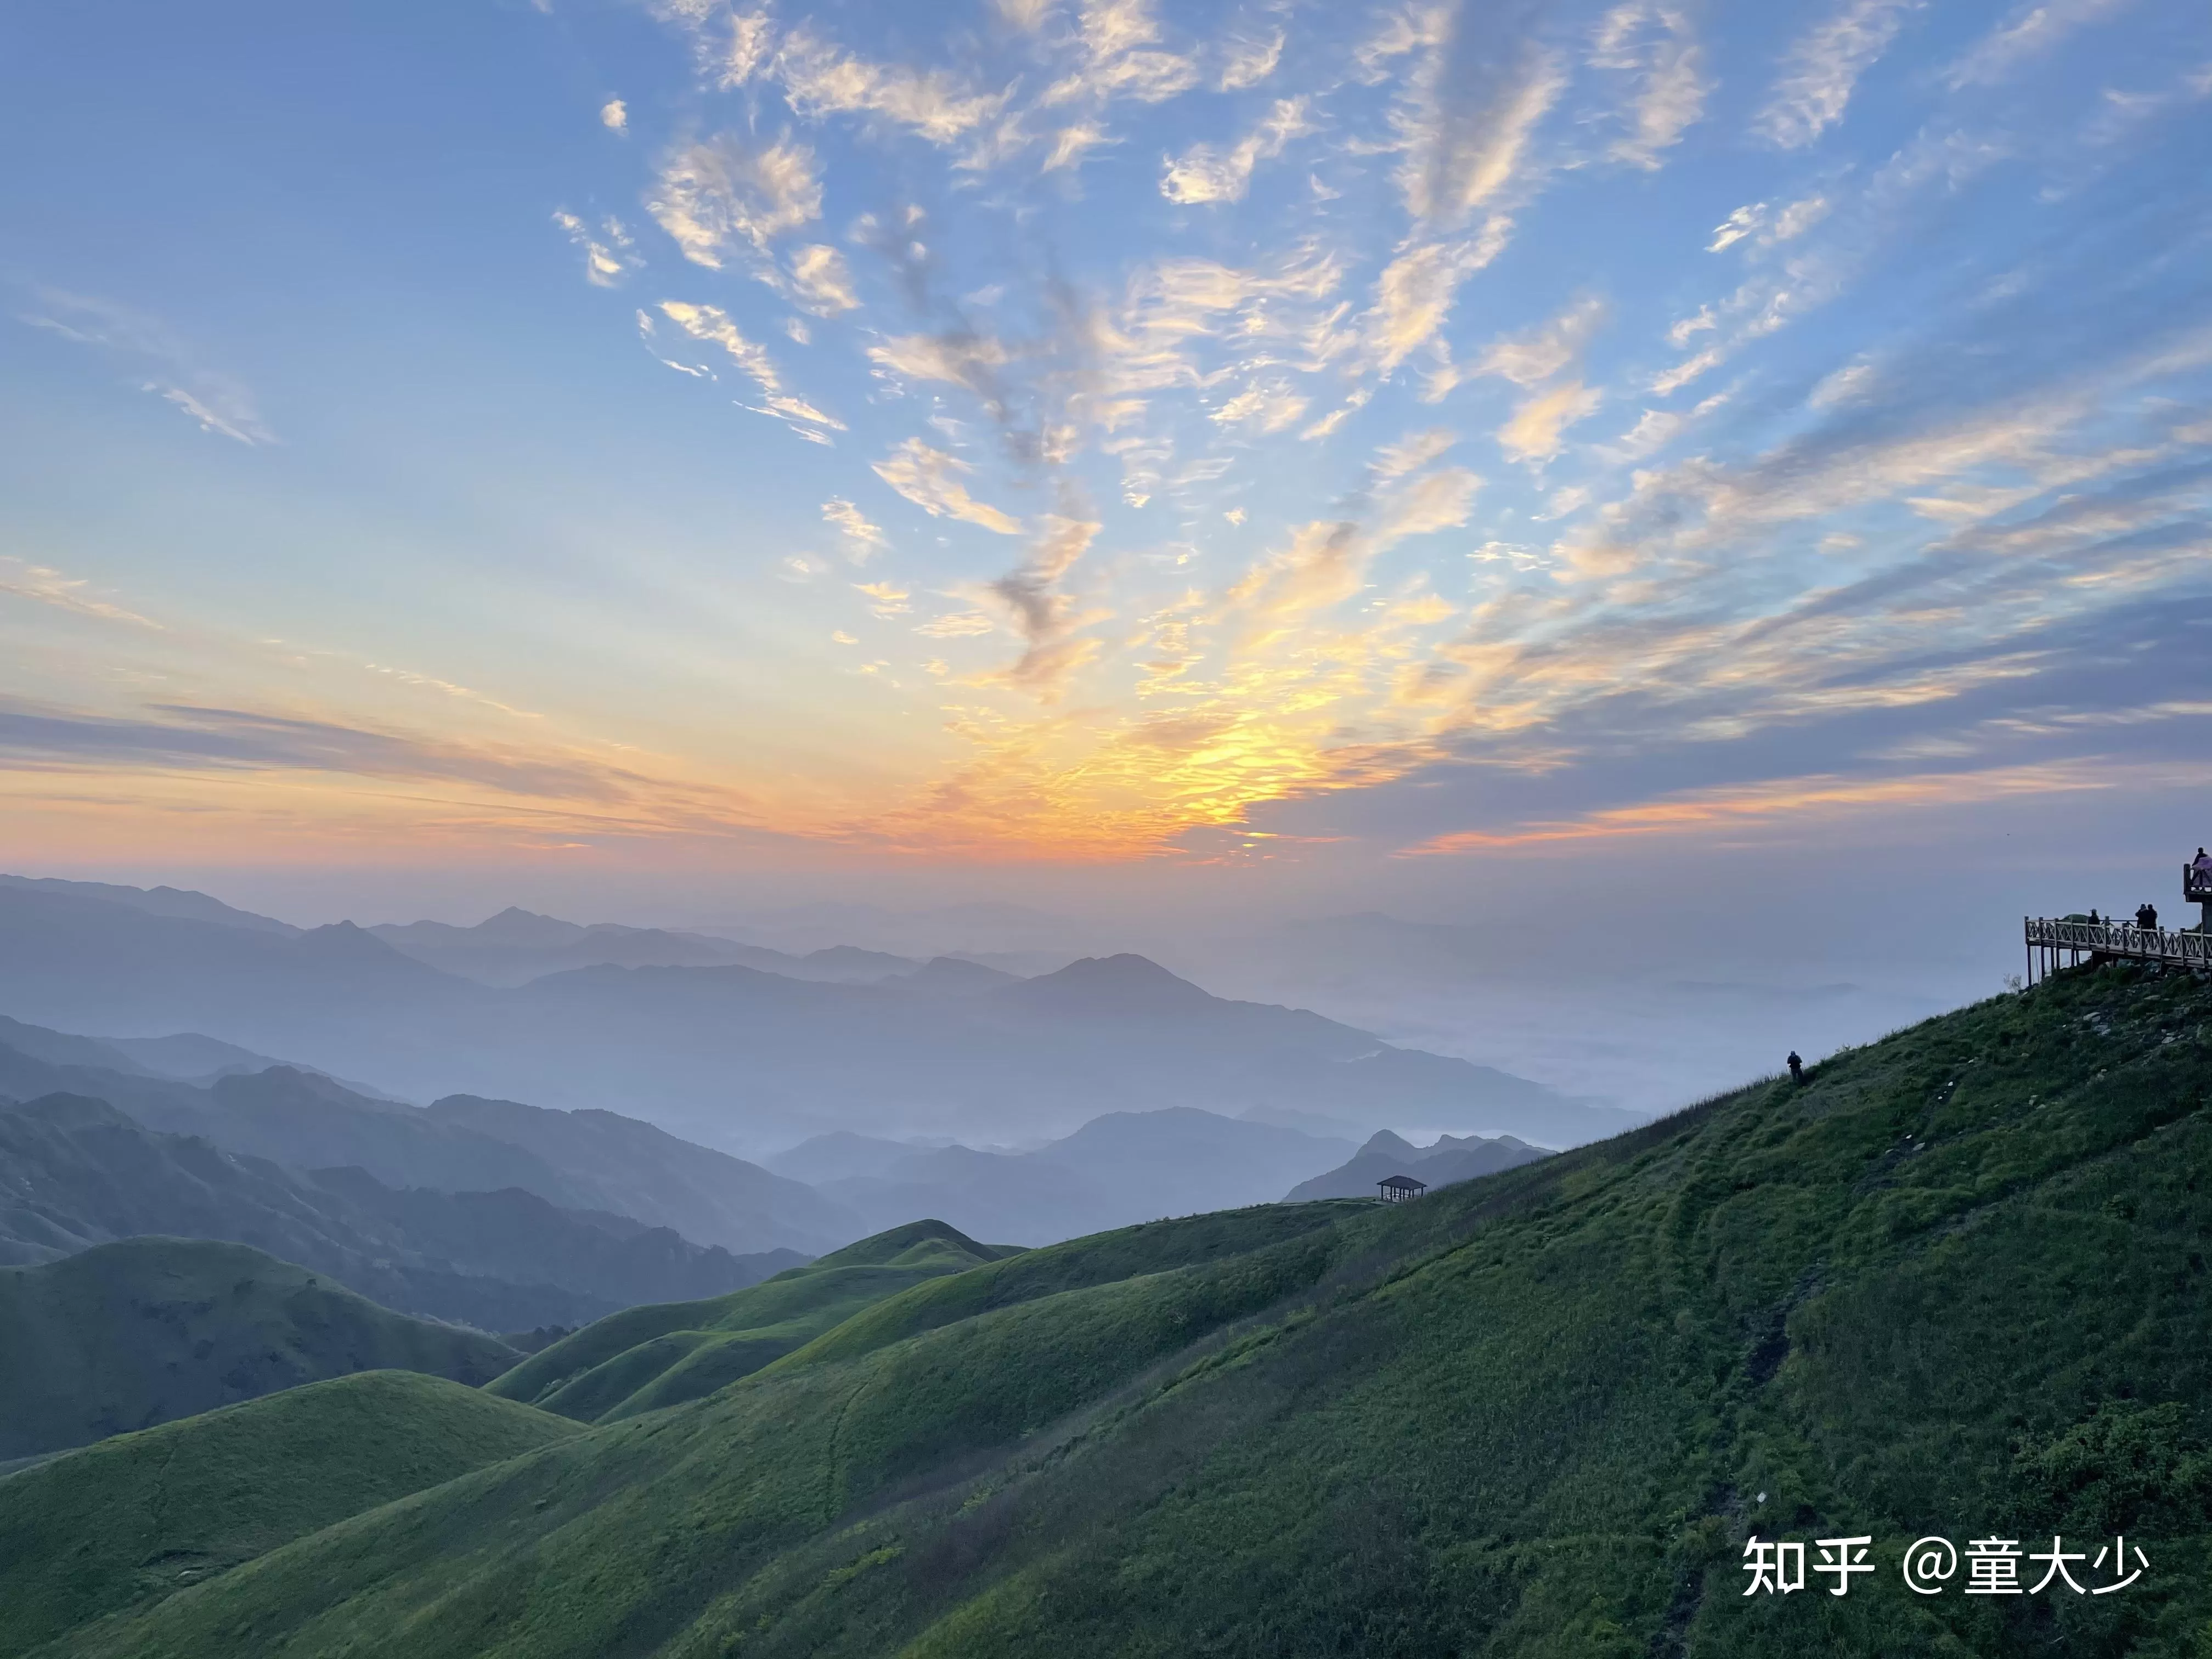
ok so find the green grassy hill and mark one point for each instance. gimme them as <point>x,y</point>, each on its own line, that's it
<point>139,1332</point>
<point>122,1524</point>
<point>1956,1285</point>
<point>646,1358</point>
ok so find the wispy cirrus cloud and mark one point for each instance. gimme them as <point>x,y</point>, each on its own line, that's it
<point>1468,125</point>
<point>820,79</point>
<point>1415,293</point>
<point>43,584</point>
<point>863,539</point>
<point>1656,45</point>
<point>962,357</point>
<point>1122,54</point>
<point>821,280</point>
<point>886,600</point>
<point>930,478</point>
<point>1412,452</point>
<point>1249,59</point>
<point>186,736</point>
<point>2027,33</point>
<point>1535,431</point>
<point>609,252</point>
<point>726,194</point>
<point>1697,575</point>
<point>1530,358</point>
<point>1823,796</point>
<point>711,324</point>
<point>1202,174</point>
<point>1823,67</point>
<point>212,400</point>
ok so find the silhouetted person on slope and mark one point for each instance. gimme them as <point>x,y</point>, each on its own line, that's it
<point>1796,1067</point>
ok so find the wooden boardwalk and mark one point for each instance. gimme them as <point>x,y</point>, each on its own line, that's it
<point>2055,945</point>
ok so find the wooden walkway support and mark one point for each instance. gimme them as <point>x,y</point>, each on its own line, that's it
<point>2055,945</point>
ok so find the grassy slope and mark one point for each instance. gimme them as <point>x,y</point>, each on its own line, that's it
<point>144,1330</point>
<point>663,1354</point>
<point>122,1524</point>
<point>1958,1285</point>
<point>1102,1258</point>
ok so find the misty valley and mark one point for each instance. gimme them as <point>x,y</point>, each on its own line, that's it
<point>516,1221</point>
<point>292,1362</point>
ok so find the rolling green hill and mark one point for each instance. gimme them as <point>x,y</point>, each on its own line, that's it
<point>645,1357</point>
<point>128,1334</point>
<point>1956,1285</point>
<point>123,1523</point>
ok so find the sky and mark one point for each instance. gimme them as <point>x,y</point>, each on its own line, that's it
<point>1554,464</point>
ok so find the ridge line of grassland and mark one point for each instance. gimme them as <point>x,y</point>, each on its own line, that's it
<point>939,1303</point>
<point>986,1468</point>
<point>1263,1329</point>
<point>1223,1348</point>
<point>1235,1342</point>
<point>157,1498</point>
<point>1522,1193</point>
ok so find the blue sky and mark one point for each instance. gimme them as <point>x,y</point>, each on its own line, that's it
<point>1379,443</point>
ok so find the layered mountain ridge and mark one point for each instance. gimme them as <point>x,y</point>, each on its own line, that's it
<point>74,1173</point>
<point>732,1054</point>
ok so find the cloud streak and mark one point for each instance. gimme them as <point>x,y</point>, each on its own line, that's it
<point>1656,47</point>
<point>713,326</point>
<point>1824,67</point>
<point>186,737</point>
<point>930,478</point>
<point>212,400</point>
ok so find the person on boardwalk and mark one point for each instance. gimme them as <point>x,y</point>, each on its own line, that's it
<point>2146,917</point>
<point>1796,1067</point>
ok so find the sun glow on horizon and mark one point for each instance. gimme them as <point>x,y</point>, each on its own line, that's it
<point>1117,431</point>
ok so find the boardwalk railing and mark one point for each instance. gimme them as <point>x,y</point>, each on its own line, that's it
<point>2057,944</point>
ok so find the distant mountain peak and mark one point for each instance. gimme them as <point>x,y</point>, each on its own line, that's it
<point>516,925</point>
<point>344,939</point>
<point>956,973</point>
<point>1385,1145</point>
<point>1126,986</point>
<point>1127,971</point>
<point>515,912</point>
